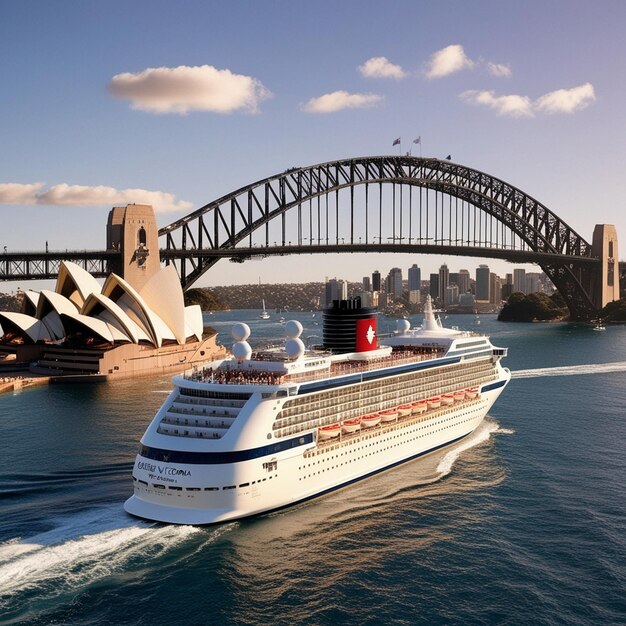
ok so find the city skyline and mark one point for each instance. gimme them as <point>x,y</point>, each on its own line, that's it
<point>99,114</point>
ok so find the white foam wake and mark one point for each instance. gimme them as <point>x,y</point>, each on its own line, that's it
<point>571,370</point>
<point>481,434</point>
<point>81,549</point>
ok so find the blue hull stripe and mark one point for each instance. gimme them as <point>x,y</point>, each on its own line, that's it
<point>492,386</point>
<point>375,374</point>
<point>218,458</point>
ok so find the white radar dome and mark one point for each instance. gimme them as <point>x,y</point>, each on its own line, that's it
<point>240,331</point>
<point>403,326</point>
<point>242,350</point>
<point>293,329</point>
<point>294,348</point>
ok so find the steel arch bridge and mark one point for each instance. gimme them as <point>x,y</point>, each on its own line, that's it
<point>385,204</point>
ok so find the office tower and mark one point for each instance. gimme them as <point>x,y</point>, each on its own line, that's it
<point>444,280</point>
<point>519,280</point>
<point>415,278</point>
<point>376,281</point>
<point>482,283</point>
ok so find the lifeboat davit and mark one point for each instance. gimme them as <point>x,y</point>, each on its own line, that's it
<point>329,432</point>
<point>419,407</point>
<point>351,425</point>
<point>405,409</point>
<point>447,398</point>
<point>459,395</point>
<point>434,402</point>
<point>390,415</point>
<point>367,421</point>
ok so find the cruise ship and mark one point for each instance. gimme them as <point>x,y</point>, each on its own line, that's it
<point>259,431</point>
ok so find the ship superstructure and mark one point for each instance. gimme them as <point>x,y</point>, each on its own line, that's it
<point>263,430</point>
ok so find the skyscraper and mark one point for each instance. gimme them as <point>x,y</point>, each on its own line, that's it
<point>394,282</point>
<point>519,280</point>
<point>482,283</point>
<point>463,281</point>
<point>415,278</point>
<point>376,280</point>
<point>444,279</point>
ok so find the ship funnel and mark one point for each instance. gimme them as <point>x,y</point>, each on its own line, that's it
<point>349,327</point>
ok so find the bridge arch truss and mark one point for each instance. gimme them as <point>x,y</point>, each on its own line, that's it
<point>399,203</point>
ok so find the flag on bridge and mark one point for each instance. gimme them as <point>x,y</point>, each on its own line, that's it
<point>448,158</point>
<point>396,142</point>
<point>418,140</point>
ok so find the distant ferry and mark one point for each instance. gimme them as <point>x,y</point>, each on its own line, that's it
<point>257,432</point>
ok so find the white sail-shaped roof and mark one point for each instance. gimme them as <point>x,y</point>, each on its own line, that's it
<point>164,295</point>
<point>105,309</point>
<point>75,283</point>
<point>29,304</point>
<point>121,292</point>
<point>94,326</point>
<point>27,326</point>
<point>194,324</point>
<point>49,309</point>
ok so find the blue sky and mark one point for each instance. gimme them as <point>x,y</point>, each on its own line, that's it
<point>183,102</point>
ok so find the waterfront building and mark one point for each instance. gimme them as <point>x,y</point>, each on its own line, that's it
<point>444,279</point>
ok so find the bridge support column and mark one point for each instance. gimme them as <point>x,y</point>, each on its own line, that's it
<point>606,281</point>
<point>133,230</point>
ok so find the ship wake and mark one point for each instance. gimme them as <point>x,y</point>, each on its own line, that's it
<point>81,549</point>
<point>571,370</point>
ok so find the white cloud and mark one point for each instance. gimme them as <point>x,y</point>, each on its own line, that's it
<point>447,61</point>
<point>18,193</point>
<point>567,100</point>
<point>338,100</point>
<point>513,105</point>
<point>81,195</point>
<point>559,101</point>
<point>499,69</point>
<point>183,89</point>
<point>381,67</point>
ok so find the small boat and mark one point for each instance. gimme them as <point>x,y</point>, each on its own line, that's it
<point>390,415</point>
<point>405,409</point>
<point>264,315</point>
<point>447,398</point>
<point>351,425</point>
<point>419,407</point>
<point>599,325</point>
<point>434,402</point>
<point>373,419</point>
<point>472,392</point>
<point>459,395</point>
<point>329,432</point>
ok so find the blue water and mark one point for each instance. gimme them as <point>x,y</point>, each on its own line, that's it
<point>525,523</point>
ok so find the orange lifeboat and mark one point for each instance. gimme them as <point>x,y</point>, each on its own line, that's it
<point>419,407</point>
<point>434,402</point>
<point>373,419</point>
<point>404,410</point>
<point>390,415</point>
<point>328,432</point>
<point>472,392</point>
<point>459,395</point>
<point>351,425</point>
<point>447,399</point>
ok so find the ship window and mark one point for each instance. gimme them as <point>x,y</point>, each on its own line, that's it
<point>193,489</point>
<point>211,488</point>
<point>230,487</point>
<point>143,482</point>
<point>244,485</point>
<point>176,488</point>
<point>158,486</point>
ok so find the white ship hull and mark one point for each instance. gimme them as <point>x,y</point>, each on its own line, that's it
<point>246,488</point>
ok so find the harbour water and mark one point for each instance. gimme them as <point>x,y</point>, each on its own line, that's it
<point>524,523</point>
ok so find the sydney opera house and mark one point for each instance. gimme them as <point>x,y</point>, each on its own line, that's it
<point>117,329</point>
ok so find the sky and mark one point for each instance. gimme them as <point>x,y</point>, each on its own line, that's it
<point>179,103</point>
